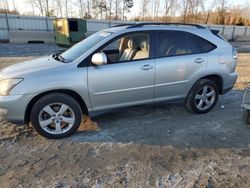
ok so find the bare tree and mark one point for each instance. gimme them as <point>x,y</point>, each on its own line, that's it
<point>14,5</point>
<point>208,8</point>
<point>127,5</point>
<point>47,13</point>
<point>43,6</point>
<point>169,6</point>
<point>59,7</point>
<point>88,14</point>
<point>32,5</point>
<point>109,4</point>
<point>144,10</point>
<point>117,8</point>
<point>100,7</point>
<point>222,12</point>
<point>156,8</point>
<point>6,4</point>
<point>66,3</point>
<point>62,7</point>
<point>190,9</point>
<point>39,5</point>
<point>81,8</point>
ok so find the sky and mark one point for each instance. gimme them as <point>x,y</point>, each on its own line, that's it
<point>24,7</point>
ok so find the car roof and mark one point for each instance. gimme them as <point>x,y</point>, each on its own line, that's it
<point>157,26</point>
<point>136,25</point>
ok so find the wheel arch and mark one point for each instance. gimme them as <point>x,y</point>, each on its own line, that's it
<point>71,93</point>
<point>214,77</point>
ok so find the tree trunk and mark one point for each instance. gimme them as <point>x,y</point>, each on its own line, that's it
<point>66,9</point>
<point>116,9</point>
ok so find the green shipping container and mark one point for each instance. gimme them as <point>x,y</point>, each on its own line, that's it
<point>69,31</point>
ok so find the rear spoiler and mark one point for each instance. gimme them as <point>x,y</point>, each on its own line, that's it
<point>214,31</point>
<point>217,33</point>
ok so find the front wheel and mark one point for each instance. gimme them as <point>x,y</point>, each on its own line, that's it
<point>203,96</point>
<point>56,116</point>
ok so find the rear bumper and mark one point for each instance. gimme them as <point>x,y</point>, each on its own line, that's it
<point>229,82</point>
<point>12,108</point>
<point>226,90</point>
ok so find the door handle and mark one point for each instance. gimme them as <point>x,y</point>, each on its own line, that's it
<point>199,60</point>
<point>146,67</point>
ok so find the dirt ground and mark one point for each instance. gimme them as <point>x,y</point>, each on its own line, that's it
<point>160,145</point>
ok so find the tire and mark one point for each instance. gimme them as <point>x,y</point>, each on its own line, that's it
<point>56,116</point>
<point>204,90</point>
<point>246,117</point>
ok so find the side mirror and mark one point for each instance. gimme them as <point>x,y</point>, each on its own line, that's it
<point>99,59</point>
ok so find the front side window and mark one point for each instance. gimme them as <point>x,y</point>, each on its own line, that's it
<point>128,48</point>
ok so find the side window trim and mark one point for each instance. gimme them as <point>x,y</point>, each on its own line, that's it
<point>204,52</point>
<point>156,43</point>
<point>87,60</point>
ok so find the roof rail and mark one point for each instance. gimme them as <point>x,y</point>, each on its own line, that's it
<point>120,25</point>
<point>162,23</point>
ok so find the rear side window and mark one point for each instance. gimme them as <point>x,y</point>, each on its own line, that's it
<point>171,43</point>
<point>175,43</point>
<point>196,45</point>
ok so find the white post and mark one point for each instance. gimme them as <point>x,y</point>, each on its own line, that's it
<point>245,33</point>
<point>233,32</point>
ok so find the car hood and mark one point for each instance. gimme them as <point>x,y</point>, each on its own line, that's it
<point>31,66</point>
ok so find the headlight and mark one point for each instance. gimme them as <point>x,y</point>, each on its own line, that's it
<point>7,85</point>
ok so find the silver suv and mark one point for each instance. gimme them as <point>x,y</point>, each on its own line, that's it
<point>118,67</point>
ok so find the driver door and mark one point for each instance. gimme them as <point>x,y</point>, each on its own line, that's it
<point>127,79</point>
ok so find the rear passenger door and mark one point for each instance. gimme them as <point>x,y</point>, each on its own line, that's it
<point>181,58</point>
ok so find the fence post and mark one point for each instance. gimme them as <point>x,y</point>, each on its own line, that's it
<point>233,32</point>
<point>223,29</point>
<point>47,24</point>
<point>7,22</point>
<point>6,17</point>
<point>245,33</point>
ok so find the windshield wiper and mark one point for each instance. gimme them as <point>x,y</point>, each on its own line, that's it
<point>58,57</point>
<point>61,58</point>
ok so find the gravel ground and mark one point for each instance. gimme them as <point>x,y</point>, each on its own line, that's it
<point>17,50</point>
<point>242,47</point>
<point>160,145</point>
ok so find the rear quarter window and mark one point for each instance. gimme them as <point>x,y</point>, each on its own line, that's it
<point>196,44</point>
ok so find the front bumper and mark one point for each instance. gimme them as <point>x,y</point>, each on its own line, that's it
<point>12,108</point>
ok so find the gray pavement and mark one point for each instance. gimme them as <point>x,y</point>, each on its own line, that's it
<point>172,124</point>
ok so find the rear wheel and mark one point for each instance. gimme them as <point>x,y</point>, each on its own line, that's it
<point>203,96</point>
<point>56,116</point>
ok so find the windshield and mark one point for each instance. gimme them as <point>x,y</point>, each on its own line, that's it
<point>80,48</point>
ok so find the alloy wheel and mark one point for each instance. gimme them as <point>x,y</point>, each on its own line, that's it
<point>205,97</point>
<point>56,118</point>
